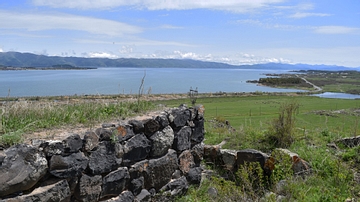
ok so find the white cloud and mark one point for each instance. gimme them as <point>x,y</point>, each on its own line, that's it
<point>101,55</point>
<point>170,27</point>
<point>229,5</point>
<point>235,59</point>
<point>1,50</point>
<point>126,49</point>
<point>304,15</point>
<point>336,30</point>
<point>47,21</point>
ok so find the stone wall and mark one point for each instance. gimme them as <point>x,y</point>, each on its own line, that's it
<point>149,160</point>
<point>130,161</point>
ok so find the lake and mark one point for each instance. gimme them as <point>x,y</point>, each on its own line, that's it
<point>337,95</point>
<point>127,81</point>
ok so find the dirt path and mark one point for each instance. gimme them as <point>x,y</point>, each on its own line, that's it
<point>317,88</point>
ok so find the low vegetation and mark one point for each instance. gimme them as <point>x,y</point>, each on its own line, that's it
<point>303,124</point>
<point>264,122</point>
<point>24,116</point>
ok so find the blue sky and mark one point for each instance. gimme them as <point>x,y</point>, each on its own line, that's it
<point>230,31</point>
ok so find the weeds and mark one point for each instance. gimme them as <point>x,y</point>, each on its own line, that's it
<point>25,116</point>
<point>281,131</point>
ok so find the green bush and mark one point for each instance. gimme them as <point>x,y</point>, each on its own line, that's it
<point>281,131</point>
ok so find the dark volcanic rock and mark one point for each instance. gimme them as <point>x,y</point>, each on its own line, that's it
<point>136,185</point>
<point>163,121</point>
<point>115,182</point>
<point>123,132</point>
<point>89,188</point>
<point>162,142</point>
<point>68,166</point>
<point>21,167</point>
<point>59,191</point>
<point>251,155</point>
<point>104,134</point>
<point>91,141</point>
<point>136,149</point>
<point>194,175</point>
<point>143,196</point>
<point>138,126</point>
<point>160,170</point>
<point>151,126</point>
<point>52,147</point>
<point>186,161</point>
<point>72,144</point>
<point>103,160</point>
<point>182,139</point>
<point>180,117</point>
<point>197,135</point>
<point>176,187</point>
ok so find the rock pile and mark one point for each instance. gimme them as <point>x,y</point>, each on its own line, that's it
<point>130,161</point>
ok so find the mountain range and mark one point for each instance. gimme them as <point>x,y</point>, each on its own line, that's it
<point>17,59</point>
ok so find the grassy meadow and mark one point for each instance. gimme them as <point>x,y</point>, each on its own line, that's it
<point>244,121</point>
<point>318,122</point>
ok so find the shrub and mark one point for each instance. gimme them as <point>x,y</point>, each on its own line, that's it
<point>281,131</point>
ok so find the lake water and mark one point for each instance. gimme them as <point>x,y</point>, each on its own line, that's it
<point>128,80</point>
<point>337,95</point>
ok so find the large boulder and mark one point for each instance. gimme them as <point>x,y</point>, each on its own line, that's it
<point>161,142</point>
<point>136,149</point>
<point>21,167</point>
<point>103,159</point>
<point>160,170</point>
<point>182,139</point>
<point>89,188</point>
<point>59,191</point>
<point>115,182</point>
<point>68,166</point>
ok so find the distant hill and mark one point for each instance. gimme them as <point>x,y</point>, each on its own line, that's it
<point>16,59</point>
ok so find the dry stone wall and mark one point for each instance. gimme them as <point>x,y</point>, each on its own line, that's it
<point>130,161</point>
<point>149,160</point>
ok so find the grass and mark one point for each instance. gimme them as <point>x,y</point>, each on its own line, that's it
<point>19,117</point>
<point>318,121</point>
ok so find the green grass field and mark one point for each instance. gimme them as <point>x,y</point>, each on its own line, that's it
<point>319,121</point>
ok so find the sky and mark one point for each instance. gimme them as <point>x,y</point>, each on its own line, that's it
<point>229,31</point>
